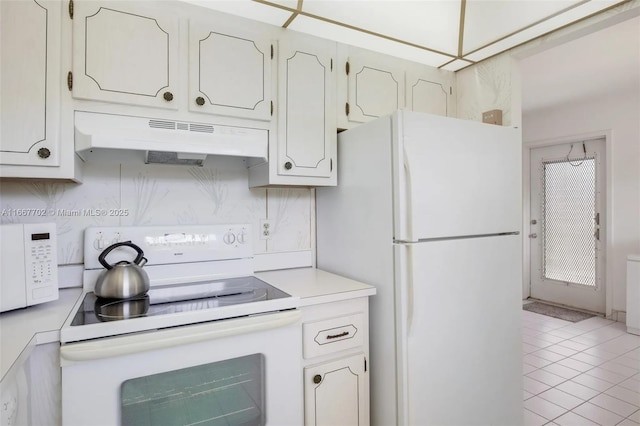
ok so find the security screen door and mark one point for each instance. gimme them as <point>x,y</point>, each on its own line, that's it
<point>567,231</point>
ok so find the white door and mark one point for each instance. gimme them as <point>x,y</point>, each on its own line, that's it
<point>376,86</point>
<point>307,135</point>
<point>30,81</point>
<point>125,52</point>
<point>335,393</point>
<point>567,224</point>
<point>229,69</point>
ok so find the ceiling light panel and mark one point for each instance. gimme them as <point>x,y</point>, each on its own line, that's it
<point>367,41</point>
<point>247,9</point>
<point>489,20</point>
<point>552,24</point>
<point>427,23</point>
<point>456,65</point>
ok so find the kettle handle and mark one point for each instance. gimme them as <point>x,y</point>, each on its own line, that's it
<point>106,251</point>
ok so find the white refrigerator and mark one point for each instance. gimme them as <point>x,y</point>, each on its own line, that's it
<point>428,209</point>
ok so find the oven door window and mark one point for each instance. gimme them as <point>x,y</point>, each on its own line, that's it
<point>229,392</point>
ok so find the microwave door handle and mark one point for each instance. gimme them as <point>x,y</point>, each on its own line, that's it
<point>126,345</point>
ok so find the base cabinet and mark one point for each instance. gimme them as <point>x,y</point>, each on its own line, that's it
<point>334,392</point>
<point>335,350</point>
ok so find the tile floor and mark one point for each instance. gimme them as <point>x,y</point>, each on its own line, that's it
<point>584,373</point>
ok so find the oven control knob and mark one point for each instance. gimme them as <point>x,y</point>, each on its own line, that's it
<point>229,238</point>
<point>242,236</point>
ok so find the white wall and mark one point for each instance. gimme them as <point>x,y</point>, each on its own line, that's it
<point>161,195</point>
<point>618,113</point>
<point>491,84</point>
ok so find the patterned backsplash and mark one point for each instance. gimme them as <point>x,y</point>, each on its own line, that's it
<point>136,194</point>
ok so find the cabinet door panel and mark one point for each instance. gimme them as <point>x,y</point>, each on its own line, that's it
<point>125,53</point>
<point>376,88</point>
<point>29,76</point>
<point>230,71</point>
<point>307,127</point>
<point>428,96</point>
<point>335,393</point>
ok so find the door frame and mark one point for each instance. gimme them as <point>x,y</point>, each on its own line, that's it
<point>526,207</point>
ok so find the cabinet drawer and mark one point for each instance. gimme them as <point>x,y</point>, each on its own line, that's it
<point>332,335</point>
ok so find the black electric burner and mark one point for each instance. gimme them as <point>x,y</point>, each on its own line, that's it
<point>175,298</point>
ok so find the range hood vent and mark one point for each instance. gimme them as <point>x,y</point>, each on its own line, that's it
<point>167,141</point>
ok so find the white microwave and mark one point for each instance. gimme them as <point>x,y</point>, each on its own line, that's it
<point>28,265</point>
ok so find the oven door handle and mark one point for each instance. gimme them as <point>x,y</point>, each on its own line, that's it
<point>162,339</point>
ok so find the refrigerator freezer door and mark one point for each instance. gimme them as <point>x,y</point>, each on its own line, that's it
<point>455,177</point>
<point>459,344</point>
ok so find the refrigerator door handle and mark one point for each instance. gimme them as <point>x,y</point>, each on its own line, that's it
<point>403,201</point>
<point>408,212</point>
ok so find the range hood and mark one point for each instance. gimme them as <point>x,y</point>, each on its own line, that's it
<point>166,141</point>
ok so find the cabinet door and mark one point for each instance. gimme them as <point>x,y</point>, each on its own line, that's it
<point>375,85</point>
<point>428,93</point>
<point>336,393</point>
<point>126,53</point>
<point>229,70</point>
<point>30,81</point>
<point>307,120</point>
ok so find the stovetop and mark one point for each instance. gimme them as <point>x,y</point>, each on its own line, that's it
<point>174,305</point>
<point>198,273</point>
<point>188,297</point>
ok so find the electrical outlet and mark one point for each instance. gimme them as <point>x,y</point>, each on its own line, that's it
<point>265,229</point>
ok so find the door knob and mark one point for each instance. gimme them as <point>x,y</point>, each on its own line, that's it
<point>534,235</point>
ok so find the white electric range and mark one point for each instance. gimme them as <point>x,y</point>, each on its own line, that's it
<point>209,343</point>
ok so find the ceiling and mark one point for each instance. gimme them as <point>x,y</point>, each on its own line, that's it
<point>447,34</point>
<point>603,63</point>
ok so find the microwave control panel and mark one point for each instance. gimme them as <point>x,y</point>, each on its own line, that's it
<point>41,261</point>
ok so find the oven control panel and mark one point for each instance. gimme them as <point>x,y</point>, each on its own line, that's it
<point>169,244</point>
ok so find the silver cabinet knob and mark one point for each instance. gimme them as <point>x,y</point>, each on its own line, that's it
<point>534,235</point>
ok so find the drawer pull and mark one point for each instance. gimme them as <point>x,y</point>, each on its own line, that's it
<point>336,336</point>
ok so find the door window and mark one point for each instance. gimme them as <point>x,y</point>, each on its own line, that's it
<point>568,221</point>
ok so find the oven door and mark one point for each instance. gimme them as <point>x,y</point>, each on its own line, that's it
<point>244,371</point>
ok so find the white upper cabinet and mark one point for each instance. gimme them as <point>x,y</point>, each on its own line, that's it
<point>304,152</point>
<point>30,35</point>
<point>125,52</point>
<point>230,68</point>
<point>307,123</point>
<point>371,85</point>
<point>375,85</point>
<point>430,91</point>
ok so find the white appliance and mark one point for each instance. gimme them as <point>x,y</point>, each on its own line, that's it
<point>209,343</point>
<point>28,264</point>
<point>428,209</point>
<point>166,141</point>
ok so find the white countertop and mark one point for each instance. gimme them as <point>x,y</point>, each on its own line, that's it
<point>634,257</point>
<point>22,329</point>
<point>314,286</point>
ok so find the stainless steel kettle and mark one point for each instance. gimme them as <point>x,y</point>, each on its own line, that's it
<point>125,279</point>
